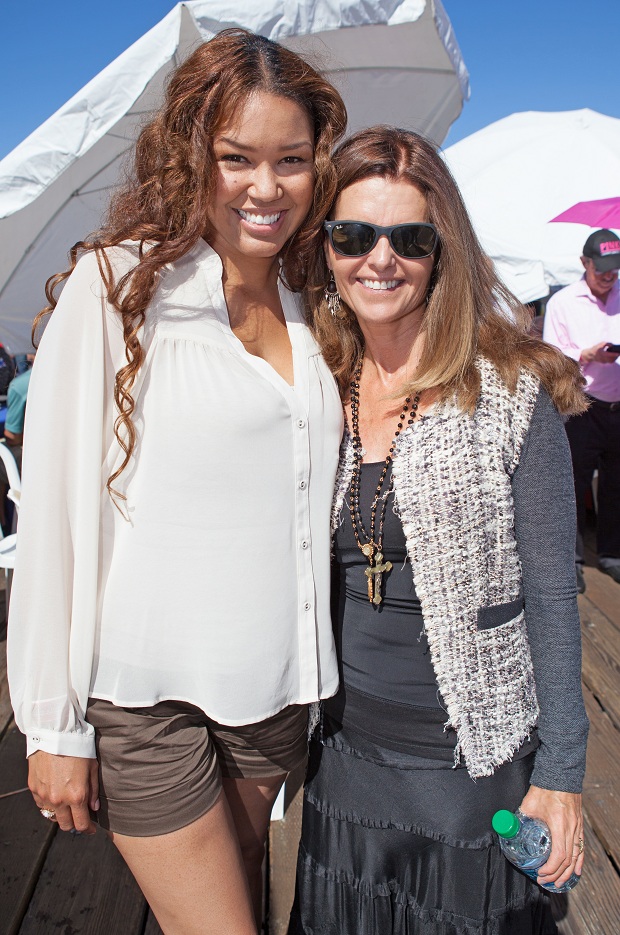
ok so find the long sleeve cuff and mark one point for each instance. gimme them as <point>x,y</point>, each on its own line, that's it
<point>69,743</point>
<point>565,773</point>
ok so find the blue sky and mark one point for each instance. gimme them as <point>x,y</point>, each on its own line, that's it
<point>521,55</point>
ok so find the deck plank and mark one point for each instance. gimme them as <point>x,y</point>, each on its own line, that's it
<point>593,907</point>
<point>601,658</point>
<point>604,592</point>
<point>601,802</point>
<point>6,712</point>
<point>85,888</point>
<point>51,881</point>
<point>24,835</point>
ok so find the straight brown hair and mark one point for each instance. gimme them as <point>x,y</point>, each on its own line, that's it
<point>469,311</point>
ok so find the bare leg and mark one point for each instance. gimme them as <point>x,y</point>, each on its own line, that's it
<point>251,801</point>
<point>193,878</point>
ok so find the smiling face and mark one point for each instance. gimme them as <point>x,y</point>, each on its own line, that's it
<point>265,178</point>
<point>381,287</point>
<point>600,284</point>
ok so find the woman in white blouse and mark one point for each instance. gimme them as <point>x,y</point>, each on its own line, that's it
<point>170,610</point>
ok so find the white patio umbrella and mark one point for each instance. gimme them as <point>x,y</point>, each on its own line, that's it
<point>395,61</point>
<point>519,173</point>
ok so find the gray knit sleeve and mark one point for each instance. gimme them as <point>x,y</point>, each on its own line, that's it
<point>545,522</point>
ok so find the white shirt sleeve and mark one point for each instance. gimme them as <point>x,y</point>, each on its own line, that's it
<point>54,597</point>
<point>250,462</point>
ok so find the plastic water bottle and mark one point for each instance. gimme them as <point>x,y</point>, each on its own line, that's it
<point>526,842</point>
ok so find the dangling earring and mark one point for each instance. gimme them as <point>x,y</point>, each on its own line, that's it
<point>332,297</point>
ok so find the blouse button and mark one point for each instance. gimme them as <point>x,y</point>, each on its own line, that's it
<point>307,605</point>
<point>301,423</point>
<point>304,544</point>
<point>302,485</point>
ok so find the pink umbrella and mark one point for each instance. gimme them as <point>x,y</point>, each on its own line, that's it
<point>605,212</point>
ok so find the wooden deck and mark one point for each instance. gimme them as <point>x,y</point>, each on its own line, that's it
<point>62,884</point>
<point>593,908</point>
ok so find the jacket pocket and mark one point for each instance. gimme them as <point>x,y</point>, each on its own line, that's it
<point>497,614</point>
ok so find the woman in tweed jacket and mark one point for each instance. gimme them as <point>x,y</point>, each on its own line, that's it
<point>455,609</point>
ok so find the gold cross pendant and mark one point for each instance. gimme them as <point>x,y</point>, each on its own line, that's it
<point>375,577</point>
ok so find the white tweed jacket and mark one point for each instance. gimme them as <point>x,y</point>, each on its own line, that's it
<point>452,481</point>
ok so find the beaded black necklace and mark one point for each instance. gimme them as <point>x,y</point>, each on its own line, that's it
<point>371,547</point>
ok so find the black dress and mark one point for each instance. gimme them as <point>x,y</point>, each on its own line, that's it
<point>395,840</point>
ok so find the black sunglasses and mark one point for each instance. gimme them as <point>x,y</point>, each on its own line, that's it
<point>355,238</point>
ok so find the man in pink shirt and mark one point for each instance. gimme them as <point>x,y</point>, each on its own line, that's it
<point>583,320</point>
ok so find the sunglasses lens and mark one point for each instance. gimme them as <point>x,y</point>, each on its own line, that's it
<point>353,239</point>
<point>414,240</point>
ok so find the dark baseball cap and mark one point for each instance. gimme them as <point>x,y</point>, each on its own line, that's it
<point>603,247</point>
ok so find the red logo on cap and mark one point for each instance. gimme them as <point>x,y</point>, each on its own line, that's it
<point>611,246</point>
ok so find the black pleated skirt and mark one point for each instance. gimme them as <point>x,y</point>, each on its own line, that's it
<point>392,850</point>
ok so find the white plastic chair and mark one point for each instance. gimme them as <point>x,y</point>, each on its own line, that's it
<point>12,472</point>
<point>8,543</point>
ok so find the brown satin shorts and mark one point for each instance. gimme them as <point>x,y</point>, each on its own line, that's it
<point>161,768</point>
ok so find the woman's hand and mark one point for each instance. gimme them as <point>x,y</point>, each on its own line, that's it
<point>562,812</point>
<point>68,786</point>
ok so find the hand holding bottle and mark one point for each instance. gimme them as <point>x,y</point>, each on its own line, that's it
<point>526,843</point>
<point>562,813</point>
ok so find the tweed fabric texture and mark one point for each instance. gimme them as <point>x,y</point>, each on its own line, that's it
<point>452,479</point>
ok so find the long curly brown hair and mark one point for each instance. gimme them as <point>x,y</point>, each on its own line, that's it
<point>164,205</point>
<point>463,317</point>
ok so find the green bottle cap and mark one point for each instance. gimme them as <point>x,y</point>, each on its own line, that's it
<point>505,823</point>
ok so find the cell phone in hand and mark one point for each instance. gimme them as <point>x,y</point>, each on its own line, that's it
<point>612,348</point>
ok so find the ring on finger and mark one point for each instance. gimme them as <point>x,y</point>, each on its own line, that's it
<point>579,845</point>
<point>48,813</point>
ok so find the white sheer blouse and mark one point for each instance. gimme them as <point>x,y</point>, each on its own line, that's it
<point>211,583</point>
